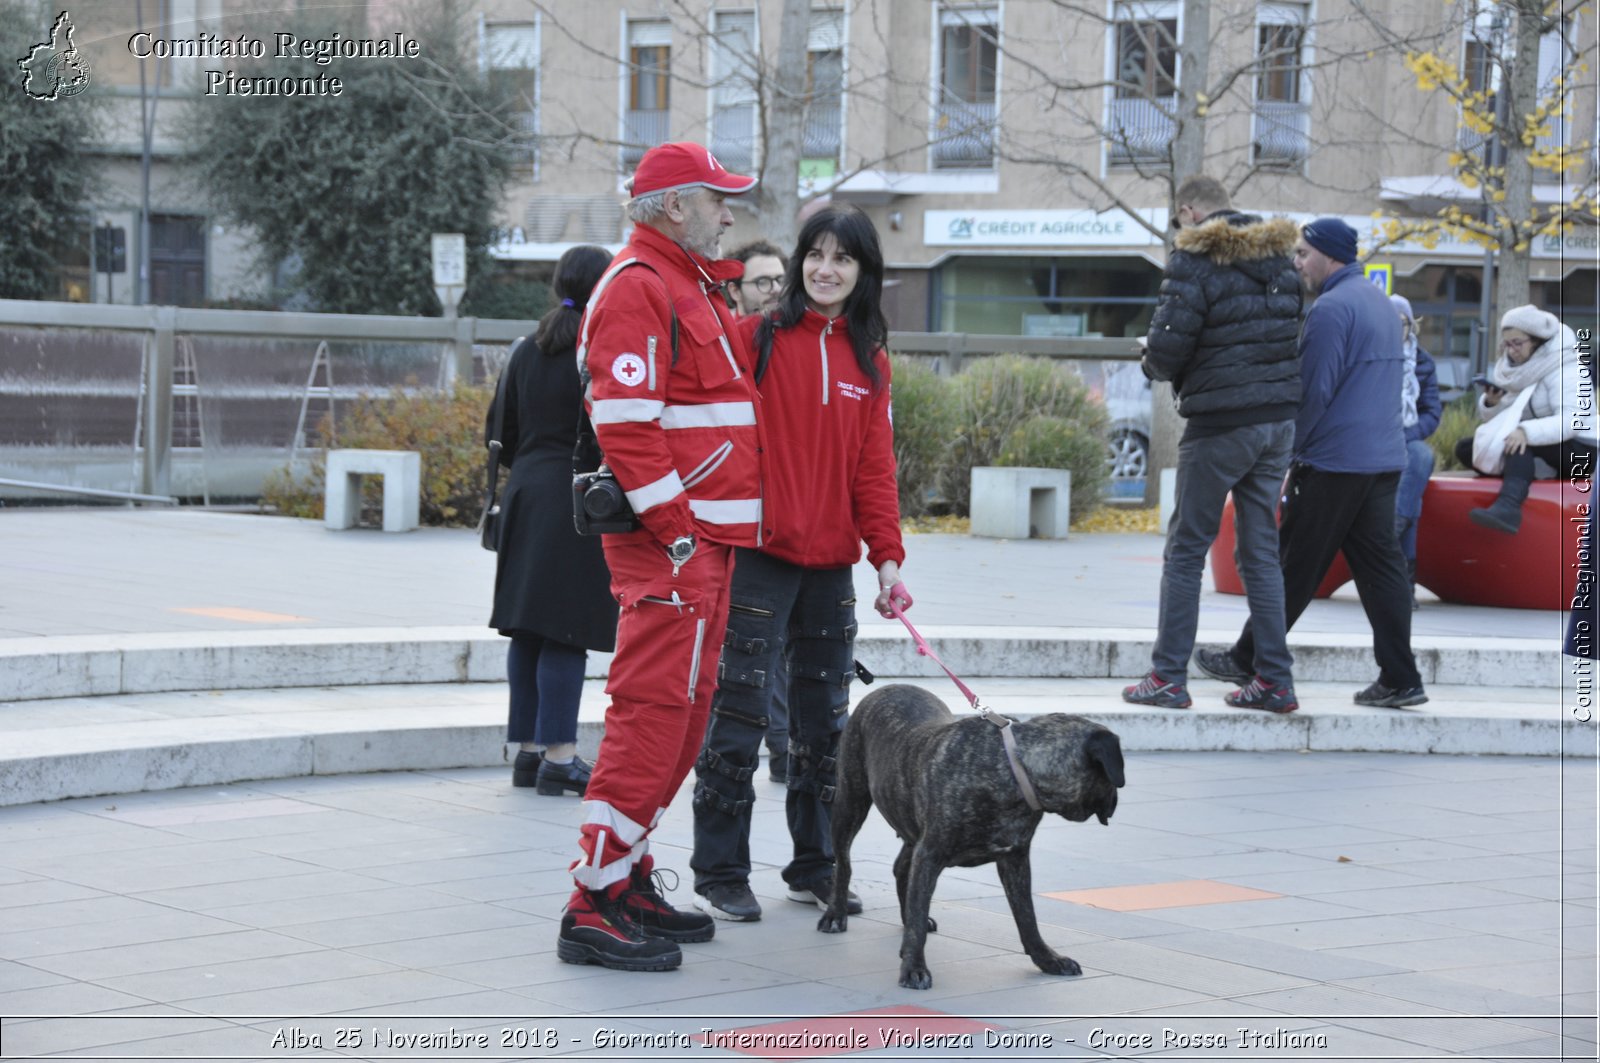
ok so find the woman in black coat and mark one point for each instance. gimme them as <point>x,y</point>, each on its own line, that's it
<point>551,588</point>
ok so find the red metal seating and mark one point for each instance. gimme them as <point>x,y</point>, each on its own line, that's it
<point>1462,562</point>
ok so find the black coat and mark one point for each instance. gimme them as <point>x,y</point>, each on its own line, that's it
<point>1227,322</point>
<point>548,579</point>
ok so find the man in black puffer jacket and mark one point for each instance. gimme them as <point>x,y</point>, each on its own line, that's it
<point>1225,333</point>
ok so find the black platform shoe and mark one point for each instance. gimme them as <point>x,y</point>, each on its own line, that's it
<point>556,779</point>
<point>525,770</point>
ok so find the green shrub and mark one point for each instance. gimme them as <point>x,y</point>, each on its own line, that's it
<point>1056,443</point>
<point>995,397</point>
<point>1457,422</point>
<point>924,421</point>
<point>446,429</point>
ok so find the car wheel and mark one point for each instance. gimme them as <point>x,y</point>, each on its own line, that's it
<point>1130,454</point>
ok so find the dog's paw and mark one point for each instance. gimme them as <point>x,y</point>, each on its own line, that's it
<point>915,976</point>
<point>1059,965</point>
<point>833,924</point>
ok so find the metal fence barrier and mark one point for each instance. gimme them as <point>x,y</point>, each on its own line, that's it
<point>142,403</point>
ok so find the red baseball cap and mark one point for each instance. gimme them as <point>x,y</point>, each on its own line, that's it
<point>685,165</point>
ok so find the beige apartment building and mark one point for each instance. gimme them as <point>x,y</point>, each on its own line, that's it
<point>1013,153</point>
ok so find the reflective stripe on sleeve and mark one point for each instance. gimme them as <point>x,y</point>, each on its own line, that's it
<point>624,411</point>
<point>709,415</point>
<point>654,494</point>
<point>727,511</point>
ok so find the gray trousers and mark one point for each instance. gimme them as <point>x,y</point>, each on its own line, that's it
<point>1249,461</point>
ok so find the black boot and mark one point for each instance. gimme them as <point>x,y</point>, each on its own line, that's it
<point>1505,515</point>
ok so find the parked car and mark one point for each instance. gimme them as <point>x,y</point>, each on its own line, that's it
<point>1127,399</point>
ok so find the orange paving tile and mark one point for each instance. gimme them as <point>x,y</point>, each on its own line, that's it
<point>1162,895</point>
<point>908,1028</point>
<point>248,616</point>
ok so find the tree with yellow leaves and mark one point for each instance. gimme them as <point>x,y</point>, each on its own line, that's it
<point>1526,74</point>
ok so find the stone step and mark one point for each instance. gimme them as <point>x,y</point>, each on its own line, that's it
<point>83,665</point>
<point>87,746</point>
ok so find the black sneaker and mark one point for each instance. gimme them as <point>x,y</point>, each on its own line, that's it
<point>1153,690</point>
<point>1219,664</point>
<point>596,929</point>
<point>1381,697</point>
<point>645,905</point>
<point>820,893</point>
<point>1259,694</point>
<point>525,770</point>
<point>732,901</point>
<point>556,779</point>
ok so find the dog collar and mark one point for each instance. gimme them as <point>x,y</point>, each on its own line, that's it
<point>1010,743</point>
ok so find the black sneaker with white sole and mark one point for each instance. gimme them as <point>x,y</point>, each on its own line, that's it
<point>732,901</point>
<point>1382,697</point>
<point>820,893</point>
<point>1220,664</point>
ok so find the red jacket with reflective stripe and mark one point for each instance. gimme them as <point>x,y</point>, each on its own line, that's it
<point>681,437</point>
<point>831,483</point>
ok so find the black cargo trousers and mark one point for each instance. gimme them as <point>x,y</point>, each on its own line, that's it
<point>808,616</point>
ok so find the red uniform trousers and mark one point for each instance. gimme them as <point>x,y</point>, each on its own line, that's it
<point>669,638</point>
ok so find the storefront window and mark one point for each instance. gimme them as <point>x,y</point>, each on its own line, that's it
<point>1039,296</point>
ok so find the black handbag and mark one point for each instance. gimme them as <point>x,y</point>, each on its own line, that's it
<point>489,522</point>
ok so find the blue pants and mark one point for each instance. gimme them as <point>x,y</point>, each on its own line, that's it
<point>546,681</point>
<point>1408,496</point>
<point>808,616</point>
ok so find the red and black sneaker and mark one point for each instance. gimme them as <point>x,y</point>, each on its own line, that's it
<point>1259,694</point>
<point>596,929</point>
<point>645,905</point>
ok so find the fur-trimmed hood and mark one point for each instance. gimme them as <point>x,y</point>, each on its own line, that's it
<point>1228,237</point>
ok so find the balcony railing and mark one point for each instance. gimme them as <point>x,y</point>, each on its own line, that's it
<point>642,130</point>
<point>819,134</point>
<point>733,136</point>
<point>1140,130</point>
<point>964,135</point>
<point>1283,131</point>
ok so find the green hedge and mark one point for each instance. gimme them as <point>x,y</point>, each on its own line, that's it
<point>1006,410</point>
<point>446,429</point>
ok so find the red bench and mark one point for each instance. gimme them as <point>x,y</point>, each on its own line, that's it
<point>1461,561</point>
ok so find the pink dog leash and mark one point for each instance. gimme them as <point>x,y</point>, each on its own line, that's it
<point>1002,722</point>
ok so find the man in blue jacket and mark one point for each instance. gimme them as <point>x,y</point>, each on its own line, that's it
<point>1349,448</point>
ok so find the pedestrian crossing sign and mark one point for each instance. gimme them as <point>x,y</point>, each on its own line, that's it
<point>1381,274</point>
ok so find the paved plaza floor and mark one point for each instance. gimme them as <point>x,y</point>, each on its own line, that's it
<point>1239,906</point>
<point>1326,905</point>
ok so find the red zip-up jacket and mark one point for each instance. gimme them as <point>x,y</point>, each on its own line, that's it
<point>831,481</point>
<point>682,438</point>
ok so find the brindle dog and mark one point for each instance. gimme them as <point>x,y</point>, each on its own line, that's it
<point>944,785</point>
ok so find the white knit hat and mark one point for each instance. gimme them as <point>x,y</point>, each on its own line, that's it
<point>1530,319</point>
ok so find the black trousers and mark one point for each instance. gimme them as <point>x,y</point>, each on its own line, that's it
<point>808,617</point>
<point>1324,513</point>
<point>1571,458</point>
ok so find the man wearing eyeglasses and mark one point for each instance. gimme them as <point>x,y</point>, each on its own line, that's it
<point>758,290</point>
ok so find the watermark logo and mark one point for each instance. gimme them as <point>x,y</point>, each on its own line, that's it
<point>55,68</point>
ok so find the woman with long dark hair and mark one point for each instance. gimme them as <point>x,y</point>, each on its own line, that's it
<point>830,485</point>
<point>551,586</point>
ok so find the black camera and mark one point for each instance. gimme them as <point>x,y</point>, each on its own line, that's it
<point>599,506</point>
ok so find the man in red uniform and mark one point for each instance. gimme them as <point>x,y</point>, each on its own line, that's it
<point>673,404</point>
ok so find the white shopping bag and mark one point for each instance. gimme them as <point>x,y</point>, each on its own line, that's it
<point>1489,441</point>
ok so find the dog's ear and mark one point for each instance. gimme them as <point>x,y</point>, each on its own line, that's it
<point>1105,749</point>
